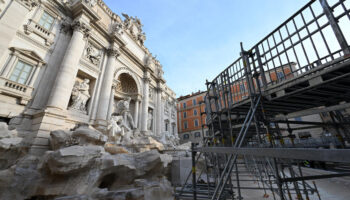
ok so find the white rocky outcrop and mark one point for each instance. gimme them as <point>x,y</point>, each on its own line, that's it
<point>82,165</point>
<point>11,148</point>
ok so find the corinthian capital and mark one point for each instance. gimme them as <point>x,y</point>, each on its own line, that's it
<point>79,25</point>
<point>113,52</point>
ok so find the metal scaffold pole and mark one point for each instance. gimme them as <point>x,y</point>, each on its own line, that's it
<point>255,111</point>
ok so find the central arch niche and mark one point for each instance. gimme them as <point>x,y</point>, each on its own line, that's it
<point>126,84</point>
<point>127,87</point>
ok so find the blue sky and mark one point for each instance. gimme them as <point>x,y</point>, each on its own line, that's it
<point>196,39</point>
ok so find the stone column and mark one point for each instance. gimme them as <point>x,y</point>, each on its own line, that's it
<point>145,102</point>
<point>159,111</point>
<point>64,82</point>
<point>136,113</point>
<point>11,19</point>
<point>111,103</point>
<point>105,95</point>
<point>52,67</point>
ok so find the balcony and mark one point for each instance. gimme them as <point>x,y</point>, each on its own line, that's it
<point>33,27</point>
<point>20,91</point>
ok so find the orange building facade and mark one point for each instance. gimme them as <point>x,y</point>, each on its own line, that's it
<point>189,107</point>
<point>190,119</point>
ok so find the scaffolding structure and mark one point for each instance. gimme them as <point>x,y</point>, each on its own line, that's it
<point>299,69</point>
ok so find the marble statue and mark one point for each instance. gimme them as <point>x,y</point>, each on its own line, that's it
<point>115,131</point>
<point>91,3</point>
<point>118,28</point>
<point>124,110</point>
<point>141,37</point>
<point>150,120</point>
<point>80,95</point>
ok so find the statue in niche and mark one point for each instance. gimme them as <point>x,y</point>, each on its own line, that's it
<point>93,55</point>
<point>150,120</point>
<point>80,95</point>
<point>123,109</point>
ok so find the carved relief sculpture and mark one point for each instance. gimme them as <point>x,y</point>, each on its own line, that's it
<point>93,54</point>
<point>80,95</point>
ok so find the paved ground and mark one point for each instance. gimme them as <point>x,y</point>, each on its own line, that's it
<point>329,189</point>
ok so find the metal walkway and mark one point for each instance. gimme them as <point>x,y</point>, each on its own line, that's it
<point>300,68</point>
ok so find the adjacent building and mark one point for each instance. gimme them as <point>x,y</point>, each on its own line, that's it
<point>63,63</point>
<point>191,118</point>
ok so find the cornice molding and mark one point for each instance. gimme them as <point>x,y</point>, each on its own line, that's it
<point>29,4</point>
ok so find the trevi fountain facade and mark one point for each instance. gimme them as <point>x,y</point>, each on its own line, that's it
<point>85,112</point>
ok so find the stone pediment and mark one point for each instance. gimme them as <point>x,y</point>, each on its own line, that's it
<point>29,53</point>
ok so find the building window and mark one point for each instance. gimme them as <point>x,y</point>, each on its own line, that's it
<point>206,133</point>
<point>196,124</point>
<point>186,136</point>
<point>166,126</point>
<point>280,75</point>
<point>185,114</point>
<point>46,21</point>
<point>195,112</point>
<point>197,134</point>
<point>184,105</point>
<point>21,72</point>
<point>241,87</point>
<point>194,102</point>
<point>185,125</point>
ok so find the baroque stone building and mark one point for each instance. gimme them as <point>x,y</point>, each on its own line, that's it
<point>69,62</point>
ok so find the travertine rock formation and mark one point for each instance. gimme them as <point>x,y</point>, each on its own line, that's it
<point>81,165</point>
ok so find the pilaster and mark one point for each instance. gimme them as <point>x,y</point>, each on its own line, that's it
<point>159,120</point>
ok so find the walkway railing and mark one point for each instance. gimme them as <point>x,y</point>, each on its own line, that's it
<point>315,35</point>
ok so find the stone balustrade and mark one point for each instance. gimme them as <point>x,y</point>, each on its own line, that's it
<point>34,27</point>
<point>22,92</point>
